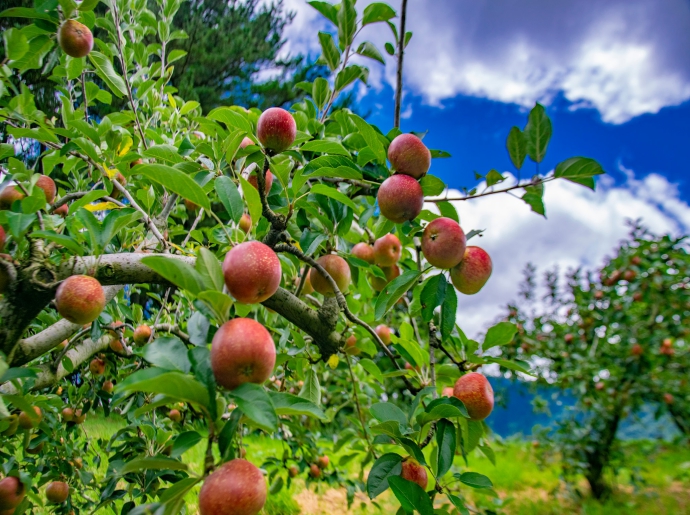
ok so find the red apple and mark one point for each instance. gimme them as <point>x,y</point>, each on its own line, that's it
<point>314,471</point>
<point>600,386</point>
<point>252,272</point>
<point>387,250</point>
<point>598,294</point>
<point>409,156</point>
<point>383,332</point>
<point>337,268</point>
<point>363,251</point>
<point>97,366</point>
<point>391,272</point>
<point>79,417</point>
<point>322,462</point>
<point>141,334</point>
<point>116,346</point>
<point>568,338</point>
<point>254,181</point>
<point>400,198</point>
<point>293,470</point>
<point>668,398</point>
<point>11,493</point>
<point>242,351</point>
<point>57,492</point>
<point>8,195</point>
<point>351,345</point>
<point>2,238</point>
<point>25,422</point>
<point>637,350</point>
<point>246,142</point>
<point>80,299</point>
<point>447,391</point>
<point>276,129</point>
<point>175,415</point>
<point>62,211</point>
<point>636,260</point>
<point>67,415</point>
<point>245,223</point>
<point>637,296</point>
<point>107,386</point>
<point>474,270</point>
<point>475,391</point>
<point>48,186</point>
<point>75,38</point>
<point>629,275</point>
<point>235,488</point>
<point>443,243</point>
<point>413,471</point>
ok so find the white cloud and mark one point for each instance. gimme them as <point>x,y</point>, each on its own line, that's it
<point>621,57</point>
<point>583,227</point>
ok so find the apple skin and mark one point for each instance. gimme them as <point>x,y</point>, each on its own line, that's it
<point>57,492</point>
<point>322,462</point>
<point>413,471</point>
<point>26,423</point>
<point>79,417</point>
<point>3,236</point>
<point>400,198</point>
<point>175,415</point>
<point>242,351</point>
<point>409,156</point>
<point>246,142</point>
<point>307,288</point>
<point>235,488</point>
<point>254,181</point>
<point>337,268</point>
<point>387,250</point>
<point>447,391</point>
<point>48,186</point>
<point>11,493</point>
<point>475,391</point>
<point>116,346</point>
<point>62,211</point>
<point>276,129</point>
<point>245,223</point>
<point>191,206</point>
<point>383,332</point>
<point>97,367</point>
<point>107,386</point>
<point>351,346</point>
<point>80,299</point>
<point>141,334</point>
<point>443,243</point>
<point>668,398</point>
<point>252,272</point>
<point>293,470</point>
<point>67,415</point>
<point>391,272</point>
<point>569,338</point>
<point>314,471</point>
<point>8,195</point>
<point>637,350</point>
<point>75,38</point>
<point>363,251</point>
<point>474,270</point>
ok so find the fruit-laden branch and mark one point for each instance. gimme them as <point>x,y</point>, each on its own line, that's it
<point>47,375</point>
<point>34,346</point>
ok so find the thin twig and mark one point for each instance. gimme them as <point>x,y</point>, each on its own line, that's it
<point>359,409</point>
<point>401,53</point>
<point>534,182</point>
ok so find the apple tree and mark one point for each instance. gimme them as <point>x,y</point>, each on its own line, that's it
<point>203,278</point>
<point>617,341</point>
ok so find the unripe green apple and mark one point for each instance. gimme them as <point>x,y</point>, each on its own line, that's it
<point>474,270</point>
<point>443,243</point>
<point>75,38</point>
<point>276,129</point>
<point>409,156</point>
<point>413,471</point>
<point>363,251</point>
<point>25,422</point>
<point>80,299</point>
<point>475,392</point>
<point>252,272</point>
<point>387,250</point>
<point>57,492</point>
<point>235,488</point>
<point>242,351</point>
<point>337,268</point>
<point>400,198</point>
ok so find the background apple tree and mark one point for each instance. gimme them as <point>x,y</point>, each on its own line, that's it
<point>615,340</point>
<point>208,277</point>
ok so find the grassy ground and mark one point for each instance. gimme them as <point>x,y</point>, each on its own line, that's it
<point>658,482</point>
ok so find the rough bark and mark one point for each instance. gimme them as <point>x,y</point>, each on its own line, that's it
<point>599,457</point>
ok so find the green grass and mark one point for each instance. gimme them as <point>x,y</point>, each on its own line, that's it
<point>657,481</point>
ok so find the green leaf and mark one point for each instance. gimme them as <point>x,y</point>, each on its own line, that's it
<point>321,92</point>
<point>445,407</point>
<point>445,441</point>
<point>32,59</point>
<point>251,195</point>
<point>537,133</point>
<point>475,480</point>
<point>228,432</point>
<point>104,69</point>
<point>534,197</point>
<point>413,350</point>
<point>517,366</point>
<point>376,12</point>
<point>367,49</point>
<point>209,269</point>
<point>175,181</point>
<point>580,170</point>
<point>16,44</point>
<point>347,23</point>
<point>168,353</point>
<point>232,119</point>
<point>448,210</point>
<point>493,178</point>
<point>458,503</point>
<point>432,185</point>
<point>411,495</point>
<point>329,50</point>
<point>500,334</point>
<point>311,389</point>
<point>165,153</point>
<point>6,150</point>
<point>517,147</point>
<point>88,5</point>
<point>372,369</point>
<point>218,302</point>
<point>176,271</point>
<point>449,310</point>
<point>390,464</point>
<point>332,161</point>
<point>371,137</point>
<point>389,48</point>
<point>433,294</point>
<point>325,147</point>
<point>183,442</point>
<point>152,463</point>
<point>26,12</point>
<point>287,404</point>
<point>327,9</point>
<point>385,411</point>
<point>61,239</point>
<point>322,189</point>
<point>230,196</point>
<point>393,291</point>
<point>350,74</point>
<point>255,403</point>
<point>179,489</point>
<point>19,224</point>
<point>173,384</point>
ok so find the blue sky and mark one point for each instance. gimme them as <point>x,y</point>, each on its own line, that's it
<point>614,77</point>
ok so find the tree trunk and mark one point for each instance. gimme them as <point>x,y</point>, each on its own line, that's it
<point>598,459</point>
